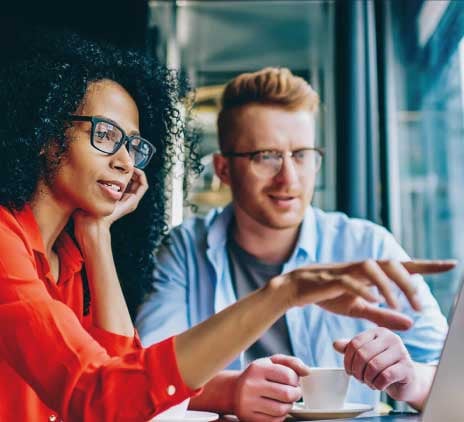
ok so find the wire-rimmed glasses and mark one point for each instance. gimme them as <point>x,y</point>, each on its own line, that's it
<point>268,163</point>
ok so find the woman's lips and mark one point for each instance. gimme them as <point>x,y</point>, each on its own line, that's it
<point>111,190</point>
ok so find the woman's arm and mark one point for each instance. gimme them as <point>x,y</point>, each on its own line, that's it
<point>341,288</point>
<point>43,341</point>
<point>109,308</point>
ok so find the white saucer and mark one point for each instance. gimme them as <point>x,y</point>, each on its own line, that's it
<point>350,410</point>
<point>192,416</point>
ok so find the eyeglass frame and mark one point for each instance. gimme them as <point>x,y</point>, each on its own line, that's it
<point>252,154</point>
<point>124,140</point>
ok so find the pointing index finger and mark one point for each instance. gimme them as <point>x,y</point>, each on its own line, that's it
<point>429,266</point>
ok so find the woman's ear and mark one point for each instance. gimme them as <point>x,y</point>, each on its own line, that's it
<point>222,168</point>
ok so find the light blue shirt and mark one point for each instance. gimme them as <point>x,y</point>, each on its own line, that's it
<point>193,281</point>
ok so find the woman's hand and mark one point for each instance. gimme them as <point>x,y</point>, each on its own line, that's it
<point>346,288</point>
<point>92,231</point>
<point>341,288</point>
<point>131,197</point>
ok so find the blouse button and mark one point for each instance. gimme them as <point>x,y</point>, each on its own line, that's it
<point>171,390</point>
<point>52,418</point>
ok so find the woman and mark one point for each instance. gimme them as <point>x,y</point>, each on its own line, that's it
<point>78,125</point>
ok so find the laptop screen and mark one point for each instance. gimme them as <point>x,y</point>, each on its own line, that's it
<point>446,400</point>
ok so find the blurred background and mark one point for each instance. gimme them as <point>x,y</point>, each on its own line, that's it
<point>390,74</point>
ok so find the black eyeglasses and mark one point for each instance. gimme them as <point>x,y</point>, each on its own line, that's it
<point>108,137</point>
<point>268,163</point>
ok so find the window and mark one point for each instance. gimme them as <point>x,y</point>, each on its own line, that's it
<point>215,41</point>
<point>427,137</point>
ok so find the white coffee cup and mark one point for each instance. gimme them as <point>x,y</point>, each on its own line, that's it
<point>325,388</point>
<point>174,413</point>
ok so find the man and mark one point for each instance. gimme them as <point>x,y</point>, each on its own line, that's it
<point>268,158</point>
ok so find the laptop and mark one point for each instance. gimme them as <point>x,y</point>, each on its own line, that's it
<point>446,400</point>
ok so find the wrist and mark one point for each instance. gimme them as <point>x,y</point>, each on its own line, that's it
<point>93,239</point>
<point>416,391</point>
<point>282,291</point>
<point>423,380</point>
<point>234,390</point>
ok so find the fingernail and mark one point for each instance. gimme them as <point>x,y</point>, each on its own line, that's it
<point>450,261</point>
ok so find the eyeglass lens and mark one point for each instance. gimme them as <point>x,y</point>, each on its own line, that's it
<point>270,162</point>
<point>107,138</point>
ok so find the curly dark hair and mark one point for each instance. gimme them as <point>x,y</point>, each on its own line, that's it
<point>45,82</point>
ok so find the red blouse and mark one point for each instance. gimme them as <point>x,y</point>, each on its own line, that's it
<point>54,363</point>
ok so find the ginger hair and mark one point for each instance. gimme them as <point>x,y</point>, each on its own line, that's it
<point>271,86</point>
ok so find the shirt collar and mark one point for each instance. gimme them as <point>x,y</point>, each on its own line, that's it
<point>218,223</point>
<point>69,254</point>
<point>307,236</point>
<point>67,249</point>
<point>27,221</point>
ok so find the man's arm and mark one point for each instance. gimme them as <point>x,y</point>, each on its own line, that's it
<point>375,356</point>
<point>210,346</point>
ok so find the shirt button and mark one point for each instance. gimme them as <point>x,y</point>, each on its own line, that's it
<point>171,390</point>
<point>52,418</point>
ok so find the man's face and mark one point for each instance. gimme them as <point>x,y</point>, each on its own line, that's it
<point>277,201</point>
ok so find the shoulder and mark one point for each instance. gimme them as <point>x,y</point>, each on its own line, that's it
<point>364,238</point>
<point>11,232</point>
<point>7,218</point>
<point>341,223</point>
<point>15,248</point>
<point>192,228</point>
<point>196,228</point>
<point>186,245</point>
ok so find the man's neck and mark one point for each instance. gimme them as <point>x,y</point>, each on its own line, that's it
<point>265,243</point>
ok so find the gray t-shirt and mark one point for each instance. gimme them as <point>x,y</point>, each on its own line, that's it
<point>248,274</point>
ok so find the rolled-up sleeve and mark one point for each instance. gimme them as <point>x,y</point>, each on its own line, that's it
<point>71,372</point>
<point>115,344</point>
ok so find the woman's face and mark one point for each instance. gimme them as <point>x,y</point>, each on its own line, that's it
<point>88,179</point>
